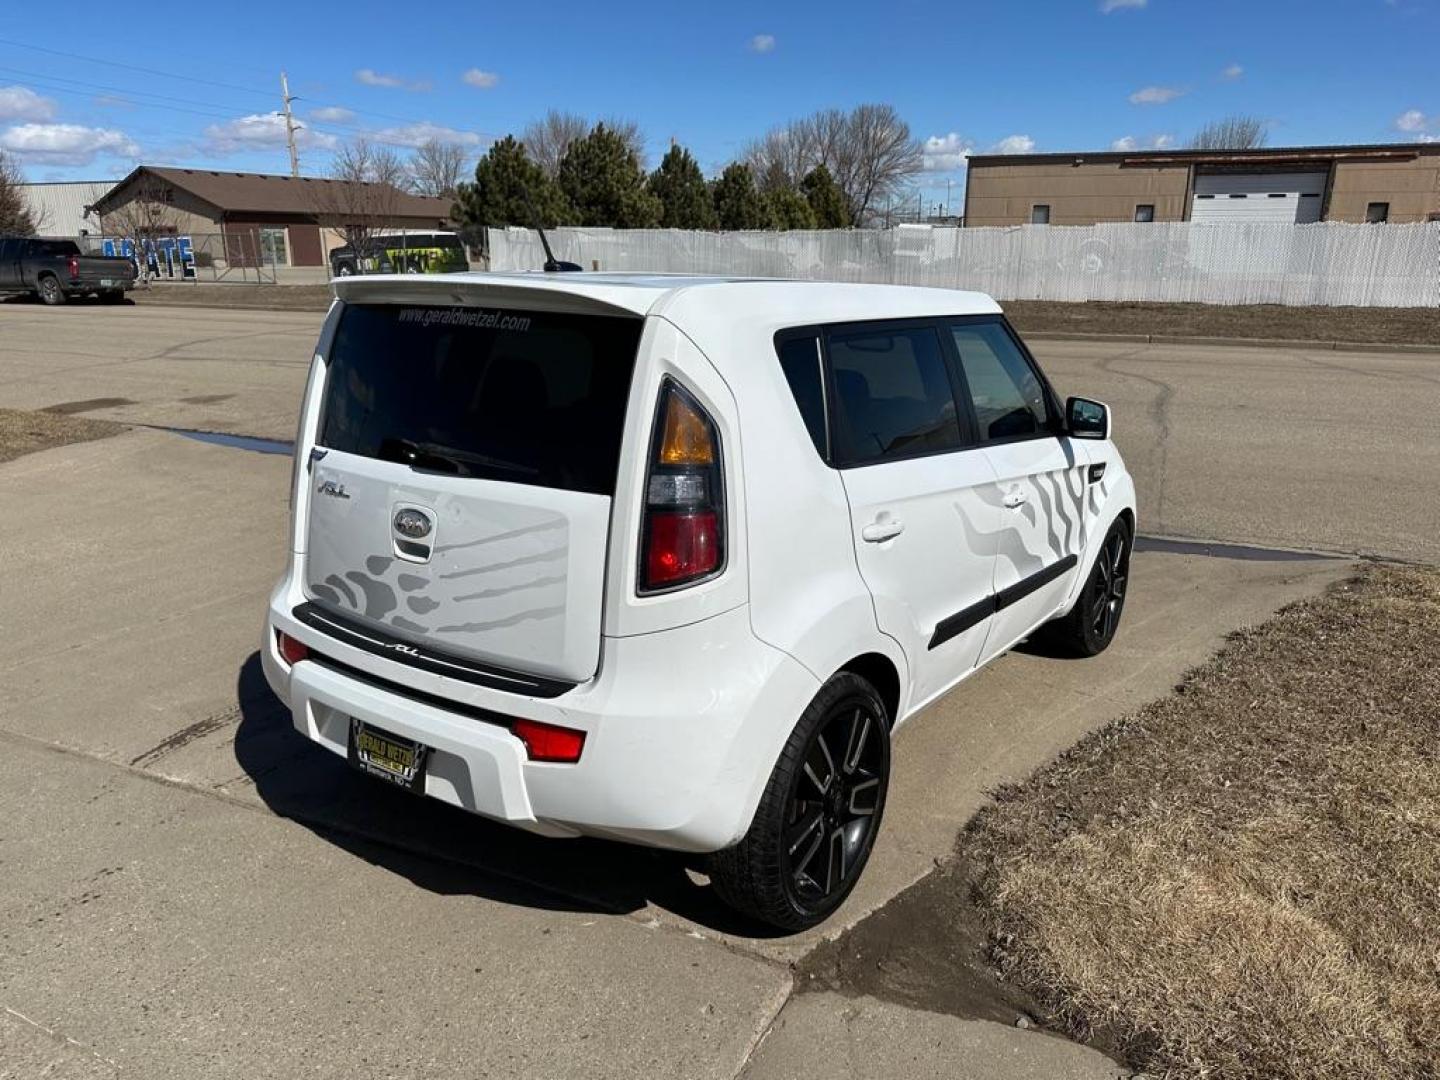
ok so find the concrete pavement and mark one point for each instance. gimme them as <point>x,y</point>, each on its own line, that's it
<point>1277,445</point>
<point>185,873</point>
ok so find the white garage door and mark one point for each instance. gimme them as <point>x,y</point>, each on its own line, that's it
<point>1264,197</point>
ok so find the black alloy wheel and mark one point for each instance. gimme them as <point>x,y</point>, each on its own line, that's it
<point>1105,591</point>
<point>819,814</point>
<point>833,802</point>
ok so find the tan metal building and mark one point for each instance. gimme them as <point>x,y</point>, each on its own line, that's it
<point>1391,182</point>
<point>280,220</point>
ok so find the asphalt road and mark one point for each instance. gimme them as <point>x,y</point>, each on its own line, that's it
<point>1310,449</point>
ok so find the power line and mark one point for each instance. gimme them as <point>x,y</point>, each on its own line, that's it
<point>198,81</point>
<point>135,67</point>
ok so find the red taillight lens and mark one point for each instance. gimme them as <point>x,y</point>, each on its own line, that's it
<point>682,538</point>
<point>291,651</point>
<point>681,547</point>
<point>546,742</point>
<point>74,266</point>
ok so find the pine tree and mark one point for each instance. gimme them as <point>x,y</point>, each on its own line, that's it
<point>601,176</point>
<point>737,204</point>
<point>507,186</point>
<point>788,209</point>
<point>825,199</point>
<point>684,199</point>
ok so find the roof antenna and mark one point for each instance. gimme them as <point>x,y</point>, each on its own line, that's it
<point>552,265</point>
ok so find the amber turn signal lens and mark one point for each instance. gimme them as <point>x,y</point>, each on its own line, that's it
<point>686,439</point>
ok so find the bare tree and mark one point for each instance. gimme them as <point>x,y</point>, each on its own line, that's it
<point>869,151</point>
<point>362,194</point>
<point>1232,133</point>
<point>146,216</point>
<point>437,167</point>
<point>17,218</point>
<point>546,140</point>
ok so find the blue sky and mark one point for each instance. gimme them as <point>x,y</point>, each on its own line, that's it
<point>977,77</point>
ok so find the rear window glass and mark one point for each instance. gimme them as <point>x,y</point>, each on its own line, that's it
<point>894,394</point>
<point>527,397</point>
<point>53,247</point>
<point>800,360</point>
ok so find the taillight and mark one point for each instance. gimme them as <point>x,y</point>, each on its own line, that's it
<point>291,651</point>
<point>547,742</point>
<point>74,266</point>
<point>682,535</point>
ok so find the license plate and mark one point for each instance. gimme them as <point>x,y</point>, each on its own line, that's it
<point>389,757</point>
<point>108,283</point>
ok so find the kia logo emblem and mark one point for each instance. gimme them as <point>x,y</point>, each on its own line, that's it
<point>413,524</point>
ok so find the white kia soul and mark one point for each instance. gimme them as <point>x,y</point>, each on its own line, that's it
<point>669,560</point>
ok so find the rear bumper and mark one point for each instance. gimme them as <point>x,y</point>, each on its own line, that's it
<point>683,728</point>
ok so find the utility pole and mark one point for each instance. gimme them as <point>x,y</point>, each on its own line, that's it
<point>289,125</point>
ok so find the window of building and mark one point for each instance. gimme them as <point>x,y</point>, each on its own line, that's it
<point>1145,212</point>
<point>273,249</point>
<point>1008,396</point>
<point>1040,214</point>
<point>1377,213</point>
<point>893,394</point>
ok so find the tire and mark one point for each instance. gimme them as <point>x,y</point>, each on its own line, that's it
<point>50,291</point>
<point>817,820</point>
<point>1090,625</point>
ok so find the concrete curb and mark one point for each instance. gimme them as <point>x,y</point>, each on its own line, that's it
<point>1247,343</point>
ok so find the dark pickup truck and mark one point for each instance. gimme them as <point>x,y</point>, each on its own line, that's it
<point>56,270</point>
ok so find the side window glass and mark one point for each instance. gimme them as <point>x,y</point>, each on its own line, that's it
<point>1009,399</point>
<point>892,394</point>
<point>800,360</point>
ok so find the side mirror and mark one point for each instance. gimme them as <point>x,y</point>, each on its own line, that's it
<point>1086,419</point>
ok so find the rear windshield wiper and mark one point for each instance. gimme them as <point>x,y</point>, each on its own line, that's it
<point>441,458</point>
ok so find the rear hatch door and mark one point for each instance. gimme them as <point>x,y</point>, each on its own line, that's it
<point>462,479</point>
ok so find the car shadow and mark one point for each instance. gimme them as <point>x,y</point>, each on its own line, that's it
<point>92,301</point>
<point>445,850</point>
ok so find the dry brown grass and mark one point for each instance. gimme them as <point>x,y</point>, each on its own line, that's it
<point>1243,880</point>
<point>1391,326</point>
<point>24,432</point>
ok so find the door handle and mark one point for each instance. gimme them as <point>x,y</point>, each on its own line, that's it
<point>1015,497</point>
<point>878,532</point>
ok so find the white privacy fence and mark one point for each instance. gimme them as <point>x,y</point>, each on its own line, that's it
<point>1329,263</point>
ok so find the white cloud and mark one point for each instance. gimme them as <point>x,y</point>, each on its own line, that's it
<point>1014,144</point>
<point>371,77</point>
<point>1411,120</point>
<point>261,131</point>
<point>417,134</point>
<point>22,103</point>
<point>1155,95</point>
<point>1129,143</point>
<point>1107,6</point>
<point>483,80</point>
<point>332,114</point>
<point>1427,138</point>
<point>1232,72</point>
<point>66,144</point>
<point>762,43</point>
<point>946,153</point>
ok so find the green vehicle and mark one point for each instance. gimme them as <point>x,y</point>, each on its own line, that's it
<point>402,253</point>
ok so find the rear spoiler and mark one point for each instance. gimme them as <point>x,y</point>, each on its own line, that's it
<point>568,294</point>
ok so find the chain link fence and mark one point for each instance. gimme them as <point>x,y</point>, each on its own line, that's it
<point>237,256</point>
<point>1325,264</point>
